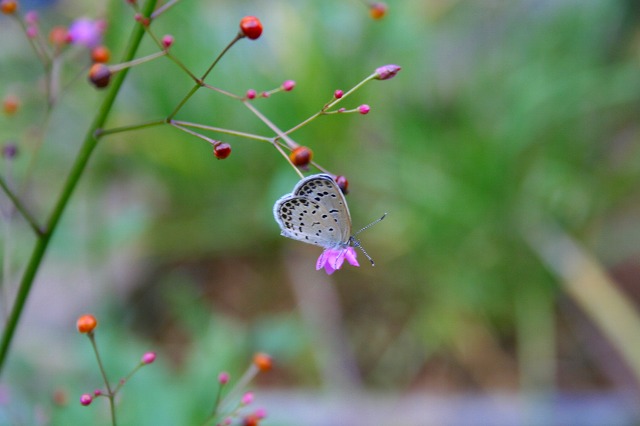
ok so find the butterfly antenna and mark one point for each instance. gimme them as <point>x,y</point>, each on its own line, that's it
<point>369,226</point>
<point>356,243</point>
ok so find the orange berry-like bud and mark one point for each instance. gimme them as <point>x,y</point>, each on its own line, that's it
<point>251,27</point>
<point>100,75</point>
<point>10,104</point>
<point>377,10</point>
<point>59,36</point>
<point>251,420</point>
<point>8,7</point>
<point>100,54</point>
<point>301,156</point>
<point>86,323</point>
<point>263,361</point>
<point>343,184</point>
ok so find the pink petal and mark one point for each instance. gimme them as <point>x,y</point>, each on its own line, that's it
<point>351,256</point>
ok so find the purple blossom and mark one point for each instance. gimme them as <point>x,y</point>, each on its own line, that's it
<point>86,32</point>
<point>332,259</point>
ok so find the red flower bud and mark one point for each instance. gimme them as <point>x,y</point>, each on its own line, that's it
<point>250,27</point>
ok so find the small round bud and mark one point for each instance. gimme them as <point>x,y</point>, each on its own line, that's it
<point>341,109</point>
<point>10,104</point>
<point>251,27</point>
<point>265,94</point>
<point>85,399</point>
<point>288,85</point>
<point>386,72</point>
<point>343,184</point>
<point>59,36</point>
<point>8,7</point>
<point>260,413</point>
<point>60,397</point>
<point>148,357</point>
<point>222,150</point>
<point>338,94</point>
<point>100,75</point>
<point>251,420</point>
<point>301,156</point>
<point>167,41</point>
<point>97,392</point>
<point>247,398</point>
<point>263,361</point>
<point>31,17</point>
<point>223,378</point>
<point>9,151</point>
<point>32,31</point>
<point>143,20</point>
<point>100,54</point>
<point>364,109</point>
<point>86,323</point>
<point>251,94</point>
<point>377,10</point>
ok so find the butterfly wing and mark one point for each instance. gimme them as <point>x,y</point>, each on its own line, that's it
<point>323,190</point>
<point>304,219</point>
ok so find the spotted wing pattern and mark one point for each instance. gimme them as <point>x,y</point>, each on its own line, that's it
<point>316,213</point>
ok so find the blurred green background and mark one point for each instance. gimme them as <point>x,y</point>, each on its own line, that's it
<point>505,153</point>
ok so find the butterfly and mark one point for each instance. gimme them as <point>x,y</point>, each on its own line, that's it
<point>316,212</point>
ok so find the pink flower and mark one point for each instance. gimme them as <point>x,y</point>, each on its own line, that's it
<point>332,259</point>
<point>86,32</point>
<point>364,109</point>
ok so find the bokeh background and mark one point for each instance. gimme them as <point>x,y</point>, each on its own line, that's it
<point>506,153</point>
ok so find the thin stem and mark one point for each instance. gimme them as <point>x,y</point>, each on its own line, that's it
<point>21,208</point>
<point>329,105</point>
<point>221,130</point>
<point>137,61</point>
<point>70,184</point>
<point>104,132</point>
<point>224,92</point>
<point>272,126</point>
<point>110,393</point>
<point>159,11</point>
<point>200,82</point>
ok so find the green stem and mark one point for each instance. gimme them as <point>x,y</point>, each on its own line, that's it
<point>21,208</point>
<point>70,184</point>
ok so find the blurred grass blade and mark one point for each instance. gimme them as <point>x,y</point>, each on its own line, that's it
<point>586,282</point>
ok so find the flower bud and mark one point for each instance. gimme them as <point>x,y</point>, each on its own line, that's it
<point>10,104</point>
<point>8,7</point>
<point>250,27</point>
<point>85,399</point>
<point>301,156</point>
<point>338,94</point>
<point>148,357</point>
<point>86,323</point>
<point>100,54</point>
<point>364,109</point>
<point>343,184</point>
<point>386,72</point>
<point>167,41</point>
<point>288,85</point>
<point>263,361</point>
<point>222,150</point>
<point>100,75</point>
<point>377,10</point>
